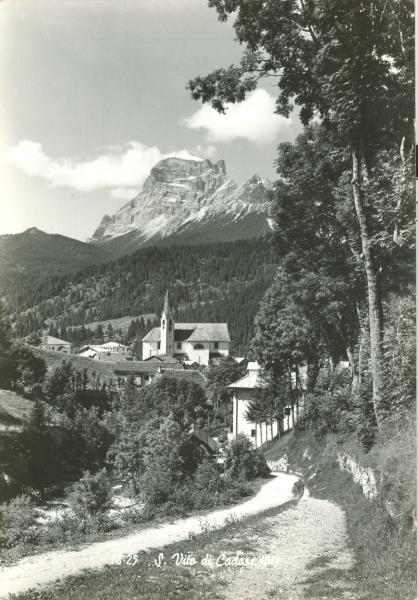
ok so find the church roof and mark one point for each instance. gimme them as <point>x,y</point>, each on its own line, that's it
<point>193,332</point>
<point>153,336</point>
<point>167,306</point>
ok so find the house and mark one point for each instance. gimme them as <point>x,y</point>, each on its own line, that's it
<point>145,372</point>
<point>244,392</point>
<point>189,342</point>
<point>162,359</point>
<point>109,352</point>
<point>50,342</point>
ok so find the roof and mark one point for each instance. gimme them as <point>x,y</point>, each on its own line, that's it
<point>193,332</point>
<point>153,336</point>
<point>205,438</point>
<point>135,366</point>
<point>143,366</point>
<point>89,353</point>
<point>188,374</point>
<point>112,345</point>
<point>167,306</point>
<point>162,358</point>
<point>101,348</point>
<point>249,382</point>
<point>253,366</point>
<point>50,339</point>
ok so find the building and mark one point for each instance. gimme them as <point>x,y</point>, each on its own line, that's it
<point>146,372</point>
<point>245,391</point>
<point>50,342</point>
<point>189,342</point>
<point>110,352</point>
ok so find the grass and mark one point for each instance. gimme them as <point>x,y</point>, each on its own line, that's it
<point>11,555</point>
<point>14,409</point>
<point>54,359</point>
<point>119,323</point>
<point>385,553</point>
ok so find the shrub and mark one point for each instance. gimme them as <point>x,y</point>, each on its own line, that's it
<point>243,462</point>
<point>156,486</point>
<point>91,495</point>
<point>331,407</point>
<point>208,478</point>
<point>73,525</point>
<point>17,522</point>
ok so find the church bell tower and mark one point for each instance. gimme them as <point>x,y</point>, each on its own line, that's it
<point>167,328</point>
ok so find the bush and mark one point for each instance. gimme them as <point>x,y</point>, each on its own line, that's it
<point>91,495</point>
<point>156,486</point>
<point>17,522</point>
<point>208,479</point>
<point>243,462</point>
<point>331,408</point>
<point>72,525</point>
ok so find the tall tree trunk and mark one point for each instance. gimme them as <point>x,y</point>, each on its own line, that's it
<point>374,298</point>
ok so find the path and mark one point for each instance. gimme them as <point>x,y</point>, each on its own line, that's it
<point>45,568</point>
<point>307,544</point>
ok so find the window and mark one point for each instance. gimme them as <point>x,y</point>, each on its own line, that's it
<point>178,345</point>
<point>163,323</point>
<point>253,432</point>
<point>199,347</point>
<point>170,325</point>
<point>159,345</point>
<point>216,345</point>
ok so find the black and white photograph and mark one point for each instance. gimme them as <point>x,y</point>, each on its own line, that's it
<point>207,300</point>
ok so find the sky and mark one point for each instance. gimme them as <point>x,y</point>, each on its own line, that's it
<point>93,94</point>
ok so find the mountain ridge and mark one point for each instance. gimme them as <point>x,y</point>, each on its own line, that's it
<point>30,255</point>
<point>183,196</point>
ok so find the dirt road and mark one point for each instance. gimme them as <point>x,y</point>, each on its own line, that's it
<point>307,556</point>
<point>45,568</point>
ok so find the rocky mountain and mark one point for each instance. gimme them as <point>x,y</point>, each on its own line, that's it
<point>27,257</point>
<point>188,201</point>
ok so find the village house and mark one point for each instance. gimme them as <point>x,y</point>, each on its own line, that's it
<point>49,342</point>
<point>244,392</point>
<point>109,352</point>
<point>146,372</point>
<point>189,342</point>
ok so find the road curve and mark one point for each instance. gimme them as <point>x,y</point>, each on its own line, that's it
<point>42,569</point>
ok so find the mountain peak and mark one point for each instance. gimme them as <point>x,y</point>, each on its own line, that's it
<point>33,231</point>
<point>180,193</point>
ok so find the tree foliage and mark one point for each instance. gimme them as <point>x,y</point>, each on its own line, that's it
<point>350,66</point>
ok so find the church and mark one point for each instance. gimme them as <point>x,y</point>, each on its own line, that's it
<point>188,342</point>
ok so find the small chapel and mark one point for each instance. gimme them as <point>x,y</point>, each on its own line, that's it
<point>187,342</point>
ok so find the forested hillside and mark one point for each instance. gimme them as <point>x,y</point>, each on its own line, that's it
<point>32,256</point>
<point>212,282</point>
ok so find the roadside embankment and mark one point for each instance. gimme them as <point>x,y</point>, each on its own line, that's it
<point>376,489</point>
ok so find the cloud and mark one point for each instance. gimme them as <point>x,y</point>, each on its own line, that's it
<point>254,120</point>
<point>123,193</point>
<point>209,151</point>
<point>122,170</point>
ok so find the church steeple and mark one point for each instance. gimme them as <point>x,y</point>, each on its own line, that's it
<point>167,328</point>
<point>167,305</point>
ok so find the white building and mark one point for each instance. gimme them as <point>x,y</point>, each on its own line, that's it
<point>49,342</point>
<point>189,342</point>
<point>244,391</point>
<point>110,351</point>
